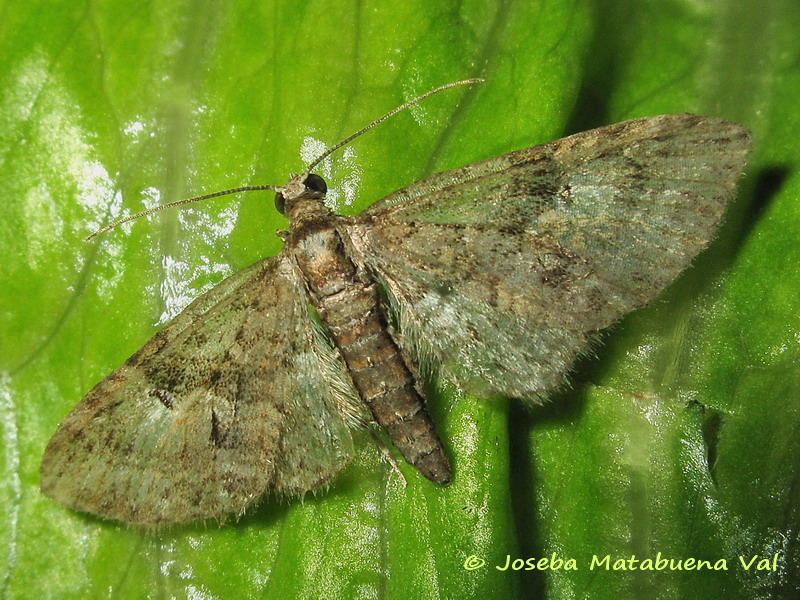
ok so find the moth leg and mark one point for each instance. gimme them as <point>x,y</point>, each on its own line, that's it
<point>387,454</point>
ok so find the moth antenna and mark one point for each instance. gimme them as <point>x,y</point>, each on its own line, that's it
<point>388,115</point>
<point>150,211</point>
<point>323,156</point>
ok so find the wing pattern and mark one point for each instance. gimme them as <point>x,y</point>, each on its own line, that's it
<point>505,269</point>
<point>239,393</point>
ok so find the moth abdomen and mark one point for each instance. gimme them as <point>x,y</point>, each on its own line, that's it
<point>387,386</point>
<point>349,307</point>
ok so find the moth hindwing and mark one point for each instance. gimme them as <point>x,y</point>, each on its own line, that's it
<point>500,272</point>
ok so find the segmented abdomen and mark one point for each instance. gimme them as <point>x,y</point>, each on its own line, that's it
<point>349,307</point>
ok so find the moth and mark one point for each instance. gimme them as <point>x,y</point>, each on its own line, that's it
<point>500,273</point>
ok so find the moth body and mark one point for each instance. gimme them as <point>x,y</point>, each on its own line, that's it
<point>348,303</point>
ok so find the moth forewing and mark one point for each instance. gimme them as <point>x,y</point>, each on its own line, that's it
<point>506,268</point>
<point>500,272</point>
<point>235,396</point>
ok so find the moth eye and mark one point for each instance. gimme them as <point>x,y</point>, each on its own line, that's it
<point>315,183</point>
<point>280,203</point>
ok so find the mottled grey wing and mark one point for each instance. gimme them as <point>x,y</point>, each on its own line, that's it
<point>505,269</point>
<point>237,395</point>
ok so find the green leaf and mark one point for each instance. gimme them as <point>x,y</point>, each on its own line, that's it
<point>678,437</point>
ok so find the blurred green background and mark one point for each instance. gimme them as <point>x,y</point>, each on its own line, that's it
<point>678,436</point>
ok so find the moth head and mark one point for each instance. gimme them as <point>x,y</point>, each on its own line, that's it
<point>308,185</point>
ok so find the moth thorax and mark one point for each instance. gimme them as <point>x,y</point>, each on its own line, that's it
<point>307,207</point>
